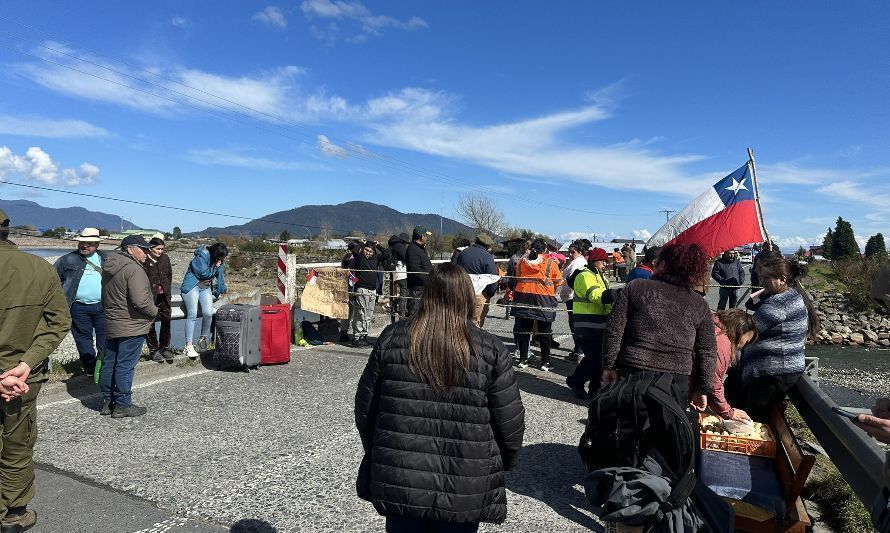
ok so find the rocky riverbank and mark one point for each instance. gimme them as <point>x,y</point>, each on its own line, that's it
<point>841,324</point>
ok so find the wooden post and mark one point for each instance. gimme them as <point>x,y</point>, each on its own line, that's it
<point>757,195</point>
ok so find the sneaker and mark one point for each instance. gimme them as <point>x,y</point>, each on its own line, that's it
<point>157,357</point>
<point>15,522</point>
<point>522,364</point>
<point>107,408</point>
<point>202,343</point>
<point>554,344</point>
<point>354,343</point>
<point>545,368</point>
<point>190,352</point>
<point>169,355</point>
<point>573,357</point>
<point>364,342</point>
<point>128,411</point>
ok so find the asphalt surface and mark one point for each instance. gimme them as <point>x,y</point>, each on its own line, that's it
<point>274,449</point>
<point>271,450</point>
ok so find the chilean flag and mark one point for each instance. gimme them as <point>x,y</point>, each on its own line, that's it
<point>723,217</point>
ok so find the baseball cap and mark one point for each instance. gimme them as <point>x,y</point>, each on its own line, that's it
<point>134,240</point>
<point>421,230</point>
<point>4,218</point>
<point>484,239</point>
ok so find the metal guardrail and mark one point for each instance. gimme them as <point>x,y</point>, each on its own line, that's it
<point>857,456</point>
<point>177,311</point>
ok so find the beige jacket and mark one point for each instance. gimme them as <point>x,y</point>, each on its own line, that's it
<point>126,296</point>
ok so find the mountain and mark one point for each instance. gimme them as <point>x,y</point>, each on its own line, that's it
<point>24,212</point>
<point>341,219</point>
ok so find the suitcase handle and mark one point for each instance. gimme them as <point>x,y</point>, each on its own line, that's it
<point>271,311</point>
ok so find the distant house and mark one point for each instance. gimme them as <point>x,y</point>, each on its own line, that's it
<point>146,233</point>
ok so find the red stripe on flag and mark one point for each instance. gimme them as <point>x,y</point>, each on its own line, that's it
<point>731,227</point>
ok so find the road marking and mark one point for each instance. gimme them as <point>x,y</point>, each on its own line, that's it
<point>139,386</point>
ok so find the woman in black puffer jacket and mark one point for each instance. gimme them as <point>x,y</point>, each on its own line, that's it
<point>439,415</point>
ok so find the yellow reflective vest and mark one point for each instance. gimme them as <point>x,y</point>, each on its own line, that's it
<point>589,310</point>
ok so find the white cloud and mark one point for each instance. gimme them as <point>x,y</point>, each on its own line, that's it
<point>272,16</point>
<point>424,121</point>
<point>37,165</point>
<point>274,94</point>
<point>362,21</point>
<point>86,174</point>
<point>570,236</point>
<point>790,244</point>
<point>227,157</point>
<point>329,149</point>
<point>642,234</point>
<point>32,126</point>
<point>179,22</point>
<point>862,194</point>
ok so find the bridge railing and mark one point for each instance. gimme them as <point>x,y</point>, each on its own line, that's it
<point>857,456</point>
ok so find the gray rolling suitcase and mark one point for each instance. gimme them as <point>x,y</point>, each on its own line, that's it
<point>238,336</point>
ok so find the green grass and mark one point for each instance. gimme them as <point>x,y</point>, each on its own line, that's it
<point>840,507</point>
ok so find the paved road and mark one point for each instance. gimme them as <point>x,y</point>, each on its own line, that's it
<point>272,450</point>
<point>276,446</point>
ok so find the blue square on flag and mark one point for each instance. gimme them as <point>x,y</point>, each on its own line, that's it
<point>737,187</point>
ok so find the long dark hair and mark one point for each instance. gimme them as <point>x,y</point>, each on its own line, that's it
<point>681,264</point>
<point>439,345</point>
<point>217,251</point>
<point>792,271</point>
<point>735,323</point>
<point>538,246</point>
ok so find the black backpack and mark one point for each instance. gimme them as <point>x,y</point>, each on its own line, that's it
<point>634,417</point>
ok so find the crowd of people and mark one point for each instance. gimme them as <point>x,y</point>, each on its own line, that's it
<point>420,439</point>
<point>438,407</point>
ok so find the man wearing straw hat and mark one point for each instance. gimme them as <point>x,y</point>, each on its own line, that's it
<point>81,275</point>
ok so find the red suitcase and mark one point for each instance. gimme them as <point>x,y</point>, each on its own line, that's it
<point>276,334</point>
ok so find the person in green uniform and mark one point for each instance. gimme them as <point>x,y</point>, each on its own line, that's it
<point>34,318</point>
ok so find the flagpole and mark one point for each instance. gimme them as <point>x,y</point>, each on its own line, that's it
<point>757,195</point>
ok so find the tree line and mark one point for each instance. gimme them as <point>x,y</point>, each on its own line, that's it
<point>840,243</point>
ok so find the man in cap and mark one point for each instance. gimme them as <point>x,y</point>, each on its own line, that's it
<point>34,318</point>
<point>81,275</point>
<point>479,264</point>
<point>130,311</point>
<point>419,266</point>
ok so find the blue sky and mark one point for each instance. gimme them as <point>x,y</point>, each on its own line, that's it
<point>620,108</point>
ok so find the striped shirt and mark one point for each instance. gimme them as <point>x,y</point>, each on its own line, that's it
<point>782,322</point>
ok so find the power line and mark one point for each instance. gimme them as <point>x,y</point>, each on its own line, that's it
<point>357,151</point>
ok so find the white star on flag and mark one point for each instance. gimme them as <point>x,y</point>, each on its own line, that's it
<point>737,186</point>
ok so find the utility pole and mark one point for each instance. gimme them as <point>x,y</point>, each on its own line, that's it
<point>667,214</point>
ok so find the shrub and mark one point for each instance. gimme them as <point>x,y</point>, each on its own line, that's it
<point>858,275</point>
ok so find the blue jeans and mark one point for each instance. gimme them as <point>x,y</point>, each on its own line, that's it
<point>402,524</point>
<point>87,319</point>
<point>191,299</point>
<point>116,379</point>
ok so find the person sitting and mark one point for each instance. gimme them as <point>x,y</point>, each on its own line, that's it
<point>785,316</point>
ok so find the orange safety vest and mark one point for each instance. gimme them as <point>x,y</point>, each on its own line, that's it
<point>541,279</point>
